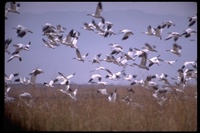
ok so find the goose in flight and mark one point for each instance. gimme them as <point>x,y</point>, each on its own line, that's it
<point>112,97</point>
<point>193,63</point>
<point>127,33</point>
<point>20,47</point>
<point>174,35</point>
<point>7,43</point>
<point>94,76</point>
<point>95,59</point>
<point>143,61</point>
<point>10,77</point>
<point>163,78</point>
<point>155,60</point>
<point>25,80</point>
<point>158,32</point>
<point>137,82</point>
<point>21,31</point>
<point>150,31</point>
<point>192,20</point>
<point>89,27</point>
<point>34,74</point>
<point>48,44</point>
<point>150,47</point>
<point>79,56</point>
<point>176,49</point>
<point>171,62</point>
<point>188,32</point>
<point>102,91</point>
<point>167,23</point>
<point>50,83</point>
<point>64,78</point>
<point>14,7</point>
<point>98,11</point>
<point>60,29</point>
<point>114,76</point>
<point>130,77</point>
<point>15,56</point>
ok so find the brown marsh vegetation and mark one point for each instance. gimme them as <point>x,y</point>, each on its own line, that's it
<point>52,110</point>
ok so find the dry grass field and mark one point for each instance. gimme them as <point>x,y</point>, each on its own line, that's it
<point>52,110</point>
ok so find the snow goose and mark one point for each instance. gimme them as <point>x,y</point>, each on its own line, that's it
<point>98,11</point>
<point>174,35</point>
<point>171,62</point>
<point>150,31</point>
<point>102,91</point>
<point>150,47</point>
<point>7,43</point>
<point>127,33</point>
<point>112,97</point>
<point>167,23</point>
<point>137,82</point>
<point>34,74</point>
<point>15,56</point>
<point>138,52</point>
<point>158,32</point>
<point>50,83</point>
<point>193,63</point>
<point>10,77</point>
<point>21,31</point>
<point>79,56</point>
<point>129,55</point>
<point>95,59</point>
<point>155,60</point>
<point>130,77</point>
<point>143,61</point>
<point>192,20</point>
<point>64,78</point>
<point>176,49</point>
<point>188,32</point>
<point>20,47</point>
<point>89,27</point>
<point>94,76</point>
<point>48,44</point>
<point>25,80</point>
<point>14,7</point>
<point>60,29</point>
<point>114,76</point>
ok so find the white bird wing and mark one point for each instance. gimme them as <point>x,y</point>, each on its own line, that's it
<point>99,9</point>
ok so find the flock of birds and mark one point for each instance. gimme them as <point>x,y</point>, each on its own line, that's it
<point>117,56</point>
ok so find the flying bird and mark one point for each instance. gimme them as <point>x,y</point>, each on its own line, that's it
<point>98,11</point>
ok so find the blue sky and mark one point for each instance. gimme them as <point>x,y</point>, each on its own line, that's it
<point>135,16</point>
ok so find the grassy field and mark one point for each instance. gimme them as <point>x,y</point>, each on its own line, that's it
<point>54,111</point>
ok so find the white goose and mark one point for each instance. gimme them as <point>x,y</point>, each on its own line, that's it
<point>168,24</point>
<point>50,83</point>
<point>192,20</point>
<point>143,61</point>
<point>98,11</point>
<point>95,76</point>
<point>158,32</point>
<point>14,7</point>
<point>10,77</point>
<point>174,35</point>
<point>150,31</point>
<point>102,91</point>
<point>150,47</point>
<point>170,62</point>
<point>64,78</point>
<point>21,31</point>
<point>79,56</point>
<point>188,32</point>
<point>193,63</point>
<point>25,80</point>
<point>127,33</point>
<point>34,74</point>
<point>176,49</point>
<point>15,56</point>
<point>112,97</point>
<point>155,60</point>
<point>7,43</point>
<point>47,44</point>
